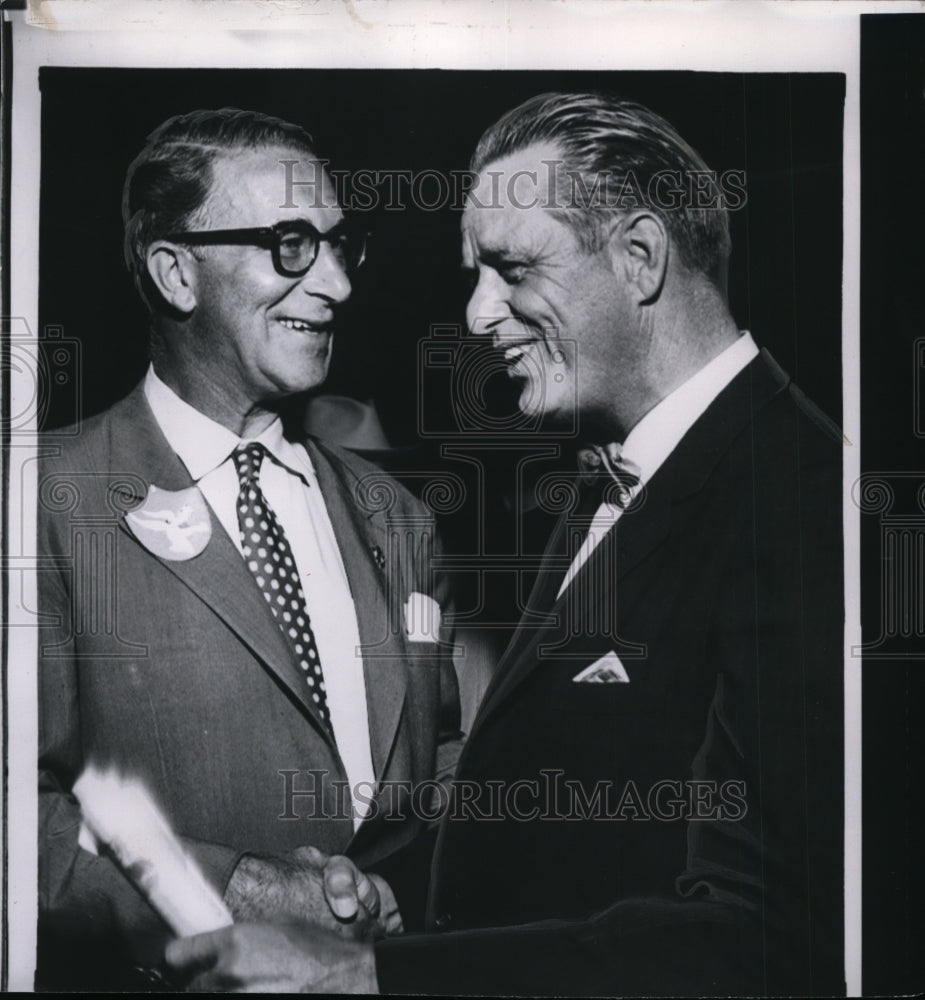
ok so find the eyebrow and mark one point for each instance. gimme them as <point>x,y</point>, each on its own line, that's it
<point>494,256</point>
<point>342,223</point>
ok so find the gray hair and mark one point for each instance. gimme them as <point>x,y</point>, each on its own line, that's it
<point>615,154</point>
<point>168,183</point>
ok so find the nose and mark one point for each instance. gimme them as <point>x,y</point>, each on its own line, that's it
<point>327,277</point>
<point>487,305</point>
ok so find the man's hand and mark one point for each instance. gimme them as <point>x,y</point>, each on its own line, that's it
<point>350,893</point>
<point>263,958</point>
<point>308,886</point>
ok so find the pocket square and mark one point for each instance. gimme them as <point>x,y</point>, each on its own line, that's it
<point>422,618</point>
<point>607,670</point>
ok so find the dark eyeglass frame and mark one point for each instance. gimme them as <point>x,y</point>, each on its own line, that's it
<point>271,237</point>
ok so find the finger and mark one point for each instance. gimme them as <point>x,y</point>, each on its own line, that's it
<point>309,855</point>
<point>368,894</point>
<point>192,955</point>
<point>340,887</point>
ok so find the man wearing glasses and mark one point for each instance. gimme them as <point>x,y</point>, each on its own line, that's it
<point>258,675</point>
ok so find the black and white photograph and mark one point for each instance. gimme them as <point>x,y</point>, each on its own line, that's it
<point>437,535</point>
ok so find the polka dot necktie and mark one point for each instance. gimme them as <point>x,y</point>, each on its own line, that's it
<point>270,560</point>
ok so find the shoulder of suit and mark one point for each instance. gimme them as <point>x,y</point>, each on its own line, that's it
<point>357,468</point>
<point>827,428</point>
<point>75,468</point>
<point>82,445</point>
<point>793,413</point>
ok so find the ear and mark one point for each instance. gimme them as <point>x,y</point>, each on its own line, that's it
<point>173,270</point>
<point>639,249</point>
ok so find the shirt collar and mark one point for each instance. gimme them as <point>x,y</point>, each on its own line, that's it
<point>202,444</point>
<point>656,436</point>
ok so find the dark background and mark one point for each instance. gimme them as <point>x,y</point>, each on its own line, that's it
<point>892,422</point>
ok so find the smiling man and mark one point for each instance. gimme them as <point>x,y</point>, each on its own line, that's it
<point>219,607</point>
<point>650,798</point>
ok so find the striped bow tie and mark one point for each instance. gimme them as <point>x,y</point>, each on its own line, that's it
<point>605,465</point>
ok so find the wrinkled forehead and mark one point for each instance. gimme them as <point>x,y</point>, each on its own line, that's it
<point>510,193</point>
<point>265,185</point>
<point>520,178</point>
<point>509,209</point>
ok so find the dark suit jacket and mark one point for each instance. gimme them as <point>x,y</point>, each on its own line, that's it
<point>177,673</point>
<point>680,833</point>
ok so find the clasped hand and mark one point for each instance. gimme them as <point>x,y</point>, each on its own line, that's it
<point>307,905</point>
<point>308,886</point>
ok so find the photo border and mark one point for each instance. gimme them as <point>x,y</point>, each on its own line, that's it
<point>776,37</point>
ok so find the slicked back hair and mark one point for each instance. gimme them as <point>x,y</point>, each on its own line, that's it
<point>168,183</point>
<point>613,152</point>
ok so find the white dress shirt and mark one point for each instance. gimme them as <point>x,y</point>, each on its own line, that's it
<point>291,487</point>
<point>657,435</point>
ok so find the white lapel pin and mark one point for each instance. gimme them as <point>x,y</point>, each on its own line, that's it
<point>174,525</point>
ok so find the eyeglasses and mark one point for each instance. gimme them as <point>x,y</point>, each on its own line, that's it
<point>294,245</point>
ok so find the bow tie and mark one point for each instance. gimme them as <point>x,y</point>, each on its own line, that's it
<point>605,465</point>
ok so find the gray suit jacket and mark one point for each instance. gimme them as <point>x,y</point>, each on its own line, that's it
<point>177,672</point>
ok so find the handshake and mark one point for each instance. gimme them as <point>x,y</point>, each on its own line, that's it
<point>304,922</point>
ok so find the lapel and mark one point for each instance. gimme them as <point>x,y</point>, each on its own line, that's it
<point>542,595</point>
<point>640,532</point>
<point>218,575</point>
<point>376,596</point>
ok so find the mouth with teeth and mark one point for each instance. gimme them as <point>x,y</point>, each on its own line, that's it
<point>300,325</point>
<point>514,355</point>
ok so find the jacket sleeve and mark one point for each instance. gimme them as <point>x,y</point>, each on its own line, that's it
<point>636,948</point>
<point>85,902</point>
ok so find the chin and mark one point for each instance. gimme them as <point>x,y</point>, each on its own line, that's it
<point>310,372</point>
<point>542,401</point>
<point>532,399</point>
<point>309,383</point>
<point>289,383</point>
<point>530,411</point>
